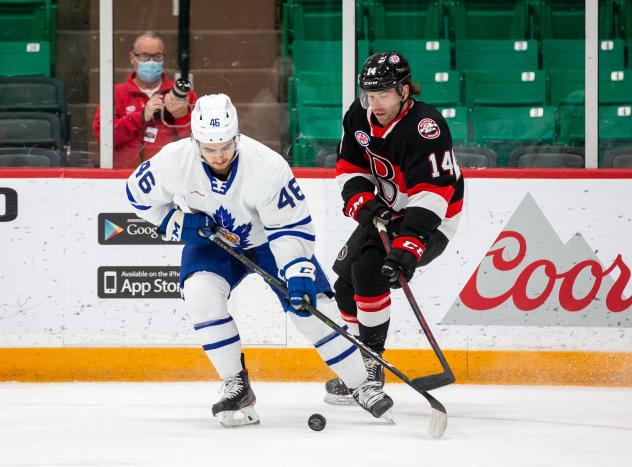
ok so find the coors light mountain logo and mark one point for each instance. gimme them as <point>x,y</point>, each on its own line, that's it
<point>530,278</point>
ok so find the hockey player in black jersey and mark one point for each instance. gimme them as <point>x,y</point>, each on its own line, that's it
<point>395,163</point>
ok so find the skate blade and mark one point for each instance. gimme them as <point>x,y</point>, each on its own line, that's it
<point>335,399</point>
<point>388,417</point>
<point>245,416</point>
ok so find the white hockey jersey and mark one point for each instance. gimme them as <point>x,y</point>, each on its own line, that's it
<point>259,202</point>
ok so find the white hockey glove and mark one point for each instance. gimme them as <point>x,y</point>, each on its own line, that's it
<point>189,228</point>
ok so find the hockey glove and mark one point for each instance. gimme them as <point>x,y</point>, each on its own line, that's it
<point>300,275</point>
<point>363,207</point>
<point>403,258</point>
<point>189,228</point>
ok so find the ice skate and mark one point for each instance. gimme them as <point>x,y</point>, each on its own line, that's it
<point>338,393</point>
<point>236,406</point>
<point>370,396</point>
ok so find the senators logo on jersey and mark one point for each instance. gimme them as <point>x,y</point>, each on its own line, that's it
<point>428,128</point>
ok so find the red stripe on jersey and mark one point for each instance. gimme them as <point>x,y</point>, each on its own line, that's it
<point>379,131</point>
<point>346,167</point>
<point>410,244</point>
<point>445,192</point>
<point>454,208</point>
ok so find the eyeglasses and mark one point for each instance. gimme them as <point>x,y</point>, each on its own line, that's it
<point>143,57</point>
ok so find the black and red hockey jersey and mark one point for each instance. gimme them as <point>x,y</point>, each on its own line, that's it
<point>408,165</point>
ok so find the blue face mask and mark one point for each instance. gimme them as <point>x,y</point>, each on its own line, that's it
<point>150,71</point>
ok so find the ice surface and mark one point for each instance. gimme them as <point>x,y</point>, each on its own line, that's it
<point>170,424</point>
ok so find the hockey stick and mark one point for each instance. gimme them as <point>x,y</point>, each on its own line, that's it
<point>438,416</point>
<point>423,383</point>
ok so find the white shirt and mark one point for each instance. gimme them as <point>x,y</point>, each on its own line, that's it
<point>259,202</point>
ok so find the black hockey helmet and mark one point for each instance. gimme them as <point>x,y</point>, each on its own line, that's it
<point>384,70</point>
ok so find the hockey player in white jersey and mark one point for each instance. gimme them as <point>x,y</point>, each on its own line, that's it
<point>230,184</point>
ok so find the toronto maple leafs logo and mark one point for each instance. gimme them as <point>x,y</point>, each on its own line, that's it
<point>225,223</point>
<point>218,186</point>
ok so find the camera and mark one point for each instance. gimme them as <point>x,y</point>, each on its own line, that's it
<point>181,88</point>
<point>180,91</point>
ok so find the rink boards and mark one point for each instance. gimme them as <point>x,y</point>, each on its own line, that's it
<point>534,289</point>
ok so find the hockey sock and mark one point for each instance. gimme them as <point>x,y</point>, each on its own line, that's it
<point>340,355</point>
<point>205,300</point>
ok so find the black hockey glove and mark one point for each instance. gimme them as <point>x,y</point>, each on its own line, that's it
<point>403,258</point>
<point>371,210</point>
<point>363,207</point>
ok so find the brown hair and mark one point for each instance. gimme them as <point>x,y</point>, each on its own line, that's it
<point>413,88</point>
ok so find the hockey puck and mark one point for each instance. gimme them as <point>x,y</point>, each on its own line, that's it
<point>316,422</point>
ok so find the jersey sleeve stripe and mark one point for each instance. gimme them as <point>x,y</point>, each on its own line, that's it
<point>134,203</point>
<point>454,208</point>
<point>446,192</point>
<point>430,201</point>
<point>291,233</point>
<point>307,220</point>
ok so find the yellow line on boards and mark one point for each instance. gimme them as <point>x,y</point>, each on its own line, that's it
<point>283,364</point>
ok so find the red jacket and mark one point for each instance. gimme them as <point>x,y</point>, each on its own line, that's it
<point>130,145</point>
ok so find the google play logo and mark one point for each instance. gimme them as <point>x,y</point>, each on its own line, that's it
<point>111,229</point>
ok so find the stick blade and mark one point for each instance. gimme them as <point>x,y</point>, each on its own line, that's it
<point>430,382</point>
<point>438,423</point>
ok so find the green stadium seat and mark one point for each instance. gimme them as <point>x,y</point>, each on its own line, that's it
<point>615,122</point>
<point>475,157</point>
<point>567,87</point>
<point>314,88</point>
<point>488,19</point>
<point>504,128</point>
<point>315,20</point>
<point>456,118</point>
<point>558,54</point>
<point>565,19</point>
<point>616,88</point>
<point>423,55</point>
<point>496,55</point>
<point>615,125</point>
<point>618,158</point>
<point>547,157</point>
<point>29,27</point>
<point>30,129</point>
<point>571,119</point>
<point>324,56</point>
<point>317,128</point>
<point>504,88</point>
<point>404,19</point>
<point>25,59</point>
<point>35,94</point>
<point>441,88</point>
<point>29,157</point>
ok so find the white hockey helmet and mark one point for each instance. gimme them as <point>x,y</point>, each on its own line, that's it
<point>214,119</point>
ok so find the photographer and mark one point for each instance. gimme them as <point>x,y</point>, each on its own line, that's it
<point>149,109</point>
